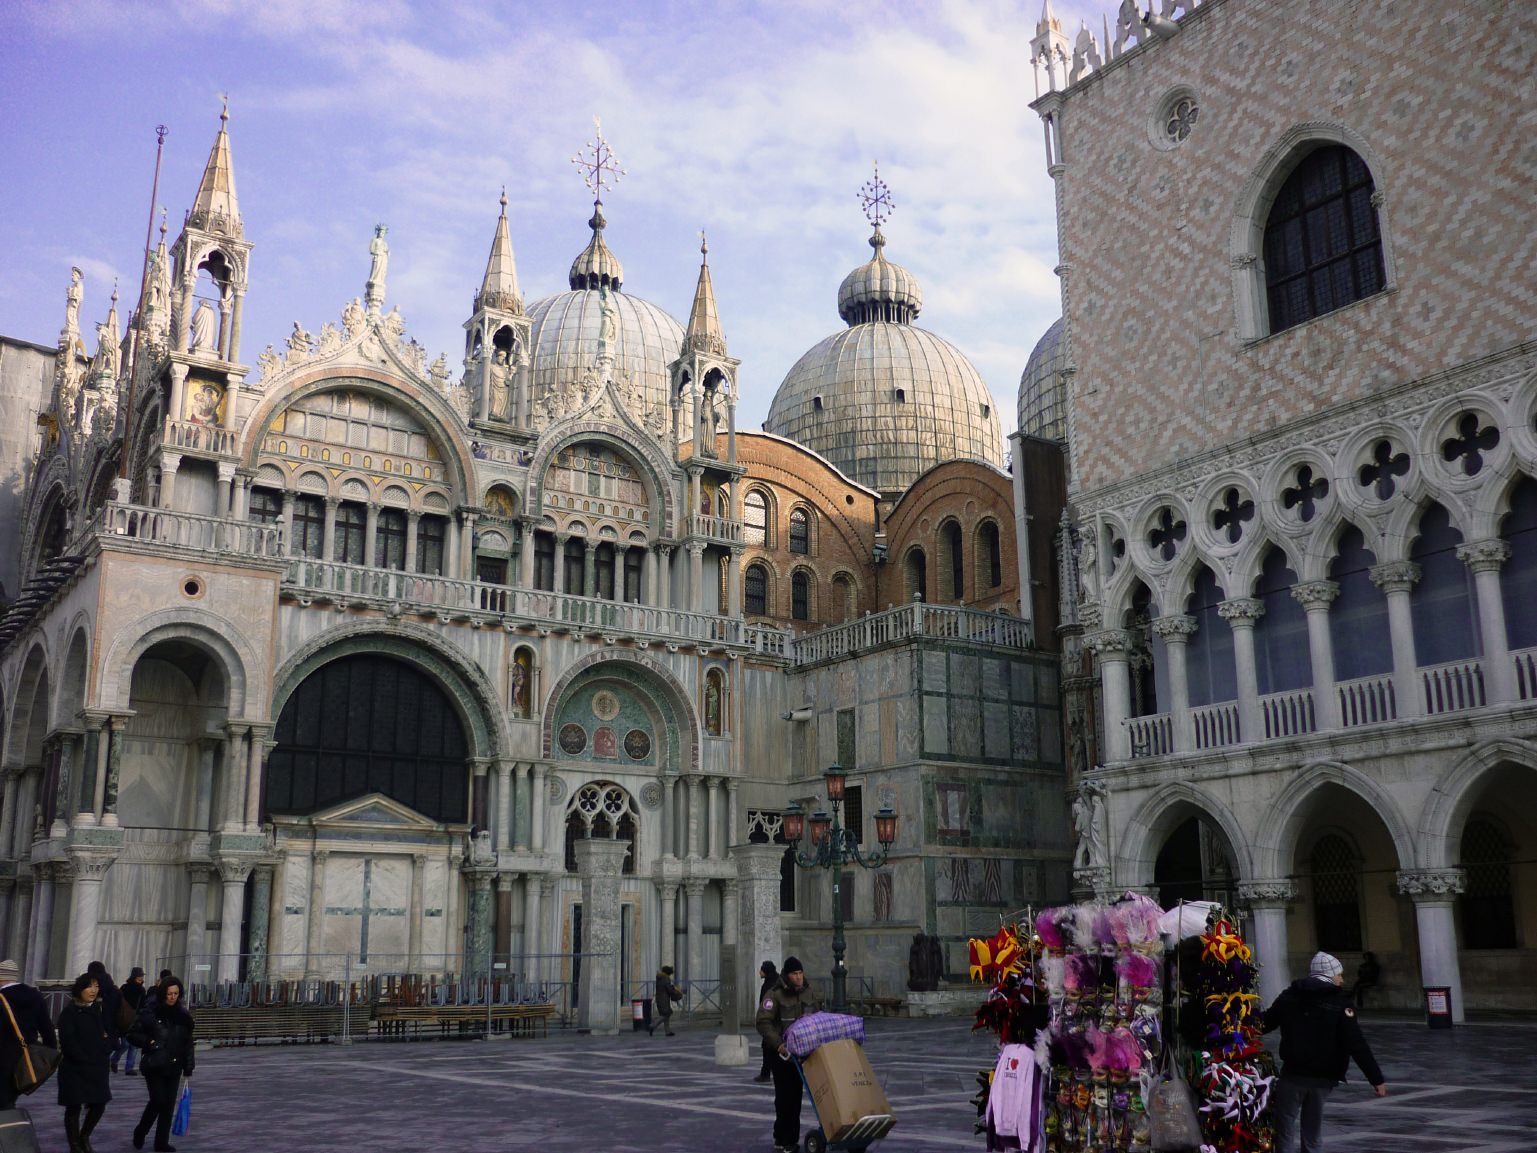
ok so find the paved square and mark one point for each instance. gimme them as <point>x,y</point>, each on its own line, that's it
<point>1471,1090</point>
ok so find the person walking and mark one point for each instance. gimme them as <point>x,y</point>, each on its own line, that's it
<point>1319,1037</point>
<point>164,1032</point>
<point>30,1013</point>
<point>769,973</point>
<point>132,993</point>
<point>666,993</point>
<point>787,1001</point>
<point>86,1050</point>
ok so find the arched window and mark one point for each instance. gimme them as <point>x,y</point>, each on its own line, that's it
<point>576,567</point>
<point>431,533</point>
<point>266,505</point>
<point>309,527</point>
<point>1518,576</point>
<point>390,539</point>
<point>843,599</point>
<point>916,570</point>
<point>369,724</point>
<point>351,527</point>
<point>1442,602</point>
<point>951,559</point>
<point>989,557</point>
<point>1358,618</point>
<point>1323,248</point>
<point>755,518</point>
<point>755,591</point>
<point>1209,664</point>
<point>800,532</point>
<point>601,810</point>
<point>1336,872</point>
<point>800,595</point>
<point>1149,667</point>
<point>544,561</point>
<point>1281,655</point>
<point>603,563</point>
<point>634,567</point>
<point>1488,912</point>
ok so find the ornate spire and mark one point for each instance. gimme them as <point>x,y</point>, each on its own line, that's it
<point>597,266</point>
<point>499,289</point>
<point>216,207</point>
<point>704,333</point>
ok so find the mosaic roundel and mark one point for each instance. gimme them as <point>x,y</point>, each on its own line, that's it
<point>605,705</point>
<point>637,744</point>
<point>651,794</point>
<point>573,739</point>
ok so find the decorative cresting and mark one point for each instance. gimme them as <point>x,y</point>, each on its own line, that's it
<point>1432,884</point>
<point>1061,64</point>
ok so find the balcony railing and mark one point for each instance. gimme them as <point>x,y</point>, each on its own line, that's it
<point>715,528</point>
<point>1526,673</point>
<point>1453,688</point>
<point>1367,701</point>
<point>188,530</point>
<point>1288,714</point>
<point>1215,725</point>
<point>189,436</point>
<point>333,581</point>
<point>941,622</point>
<point>1150,736</point>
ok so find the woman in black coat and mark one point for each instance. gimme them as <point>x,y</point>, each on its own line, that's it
<point>770,974</point>
<point>164,1032</point>
<point>86,1049</point>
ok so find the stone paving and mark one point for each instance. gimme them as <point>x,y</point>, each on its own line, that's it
<point>1471,1090</point>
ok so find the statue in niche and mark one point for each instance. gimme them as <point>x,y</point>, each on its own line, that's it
<point>708,422</point>
<point>522,675</point>
<point>352,317</point>
<point>1088,568</point>
<point>204,326</point>
<point>1088,822</point>
<point>713,694</point>
<point>608,324</point>
<point>498,374</point>
<point>203,404</point>
<point>72,297</point>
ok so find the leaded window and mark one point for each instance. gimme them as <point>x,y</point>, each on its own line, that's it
<point>800,532</point>
<point>431,531</point>
<point>1336,895</point>
<point>755,591</point>
<point>309,527</point>
<point>755,518</point>
<point>351,527</point>
<point>266,506</point>
<point>390,539</point>
<point>800,595</point>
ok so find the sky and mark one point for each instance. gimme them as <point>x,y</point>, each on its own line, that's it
<point>755,122</point>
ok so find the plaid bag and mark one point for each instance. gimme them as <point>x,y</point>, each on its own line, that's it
<point>804,1034</point>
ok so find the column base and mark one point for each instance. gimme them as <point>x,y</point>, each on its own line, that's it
<point>87,818</point>
<point>732,1049</point>
<point>109,820</point>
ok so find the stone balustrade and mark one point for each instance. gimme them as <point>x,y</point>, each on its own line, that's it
<point>940,622</point>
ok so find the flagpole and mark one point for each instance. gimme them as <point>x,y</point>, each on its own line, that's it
<point>138,319</point>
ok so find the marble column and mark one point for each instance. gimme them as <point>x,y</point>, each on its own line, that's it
<point>1434,893</point>
<point>416,911</point>
<point>370,534</point>
<point>226,475</point>
<point>712,817</point>
<point>1315,597</point>
<point>261,919</point>
<point>1267,901</point>
<point>42,904</point>
<point>731,806</point>
<point>734,584</point>
<point>314,938</point>
<point>504,806</point>
<point>669,926</point>
<point>1242,614</point>
<point>1113,647</point>
<point>478,963</point>
<point>560,561</point>
<point>695,819</point>
<point>170,464</point>
<point>255,758</point>
<point>693,889</point>
<point>7,892</point>
<point>541,796</point>
<point>63,809</point>
<point>328,540</point>
<point>8,811</point>
<point>598,862</point>
<point>202,800</point>
<point>695,574</point>
<point>99,784</point>
<point>523,795</point>
<point>1176,632</point>
<point>233,872</point>
<point>178,390</point>
<point>286,518</point>
<point>669,817</point>
<point>1396,579</point>
<point>532,937</point>
<point>114,773</point>
<point>549,935</point>
<point>413,522</point>
<point>234,777</point>
<point>21,918</point>
<point>197,918</point>
<point>1484,559</point>
<point>89,870</point>
<point>502,947</point>
<point>590,568</point>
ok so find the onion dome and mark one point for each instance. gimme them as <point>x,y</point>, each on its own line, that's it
<point>597,265</point>
<point>885,401</point>
<point>1043,389</point>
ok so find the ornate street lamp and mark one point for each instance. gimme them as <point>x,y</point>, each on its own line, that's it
<point>833,847</point>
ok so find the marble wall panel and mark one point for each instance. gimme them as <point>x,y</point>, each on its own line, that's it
<point>966,727</point>
<point>936,730</point>
<point>935,672</point>
<point>995,729</point>
<point>965,675</point>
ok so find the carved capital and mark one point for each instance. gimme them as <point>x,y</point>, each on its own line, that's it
<point>1261,893</point>
<point>695,886</point>
<point>1110,644</point>
<point>1432,883</point>
<point>1484,555</point>
<point>1176,629</point>
<point>1395,576</point>
<point>1316,594</point>
<point>1241,611</point>
<point>199,872</point>
<point>1243,260</point>
<point>668,890</point>
<point>90,866</point>
<point>234,870</point>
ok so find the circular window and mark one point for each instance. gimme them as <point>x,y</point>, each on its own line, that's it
<point>192,587</point>
<point>1181,119</point>
<point>1175,119</point>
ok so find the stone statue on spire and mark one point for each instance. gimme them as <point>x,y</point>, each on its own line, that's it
<point>379,249</point>
<point>72,299</point>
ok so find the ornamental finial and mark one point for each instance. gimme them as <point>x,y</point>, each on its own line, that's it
<point>875,199</point>
<point>598,164</point>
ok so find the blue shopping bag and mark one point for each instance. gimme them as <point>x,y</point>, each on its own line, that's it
<point>183,1120</point>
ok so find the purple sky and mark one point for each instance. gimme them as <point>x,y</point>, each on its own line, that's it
<point>757,123</point>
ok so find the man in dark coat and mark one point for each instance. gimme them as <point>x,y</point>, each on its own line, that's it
<point>770,974</point>
<point>788,1001</point>
<point>132,992</point>
<point>31,1013</point>
<point>667,992</point>
<point>1319,1037</point>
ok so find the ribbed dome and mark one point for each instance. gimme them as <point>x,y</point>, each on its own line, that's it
<point>885,402</point>
<point>1042,389</point>
<point>879,290</point>
<point>596,265</point>
<point>565,342</point>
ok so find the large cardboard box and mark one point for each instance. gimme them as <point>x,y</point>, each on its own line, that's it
<point>843,1086</point>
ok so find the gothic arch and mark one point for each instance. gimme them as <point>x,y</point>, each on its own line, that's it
<point>240,662</point>
<point>1158,816</point>
<point>476,699</point>
<point>647,676</point>
<point>1450,801</point>
<point>1275,842</point>
<point>77,668</point>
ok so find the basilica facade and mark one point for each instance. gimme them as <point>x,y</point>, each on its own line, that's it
<point>1296,379</point>
<point>349,662</point>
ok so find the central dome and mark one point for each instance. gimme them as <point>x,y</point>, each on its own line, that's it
<point>886,401</point>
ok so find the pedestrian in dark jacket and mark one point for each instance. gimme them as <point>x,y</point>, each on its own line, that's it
<point>31,1013</point>
<point>109,999</point>
<point>164,1032</point>
<point>85,1048</point>
<point>132,992</point>
<point>1319,1037</point>
<point>769,972</point>
<point>788,1001</point>
<point>667,992</point>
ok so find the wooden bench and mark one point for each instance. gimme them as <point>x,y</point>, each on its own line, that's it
<point>413,1022</point>
<point>288,1023</point>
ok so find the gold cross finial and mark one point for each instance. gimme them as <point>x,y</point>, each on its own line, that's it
<point>598,164</point>
<point>875,199</point>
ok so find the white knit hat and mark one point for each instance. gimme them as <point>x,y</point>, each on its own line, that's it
<point>1325,965</point>
<point>9,971</point>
